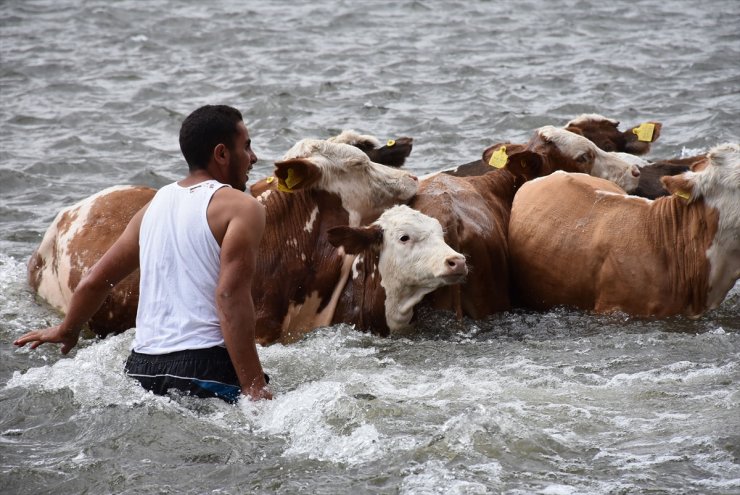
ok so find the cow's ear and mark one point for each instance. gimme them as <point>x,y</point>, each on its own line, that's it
<point>355,240</point>
<point>295,174</point>
<point>526,164</point>
<point>679,185</point>
<point>574,130</point>
<point>515,158</point>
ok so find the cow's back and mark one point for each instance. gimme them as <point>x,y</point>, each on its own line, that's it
<point>77,238</point>
<point>574,238</point>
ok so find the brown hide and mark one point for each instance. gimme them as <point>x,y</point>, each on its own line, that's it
<point>108,218</point>
<point>571,245</point>
<point>284,277</point>
<point>474,213</point>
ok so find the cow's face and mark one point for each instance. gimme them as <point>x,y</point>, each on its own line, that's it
<point>365,188</point>
<point>564,150</point>
<point>604,133</point>
<point>413,258</point>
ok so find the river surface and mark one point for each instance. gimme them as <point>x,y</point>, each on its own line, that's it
<point>557,403</point>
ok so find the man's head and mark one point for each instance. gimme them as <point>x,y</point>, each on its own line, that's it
<point>217,134</point>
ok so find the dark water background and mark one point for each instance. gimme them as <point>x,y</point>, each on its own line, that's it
<point>93,93</point>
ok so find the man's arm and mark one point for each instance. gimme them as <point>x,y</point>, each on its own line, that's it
<point>120,260</point>
<point>234,291</point>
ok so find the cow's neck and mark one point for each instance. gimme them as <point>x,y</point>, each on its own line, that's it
<point>500,183</point>
<point>299,273</point>
<point>685,233</point>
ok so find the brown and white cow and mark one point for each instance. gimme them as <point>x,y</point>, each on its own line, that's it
<point>580,241</point>
<point>604,133</point>
<point>401,257</point>
<point>393,154</point>
<point>560,150</point>
<point>300,275</point>
<point>330,184</point>
<point>76,239</point>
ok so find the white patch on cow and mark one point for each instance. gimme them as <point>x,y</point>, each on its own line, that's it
<point>309,224</point>
<point>605,165</point>
<point>590,117</point>
<point>353,138</point>
<point>414,260</point>
<point>303,257</point>
<point>55,284</point>
<point>358,261</point>
<point>262,198</point>
<point>365,188</point>
<point>302,318</point>
<point>719,185</point>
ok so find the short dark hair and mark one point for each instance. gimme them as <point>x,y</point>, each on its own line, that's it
<point>204,129</point>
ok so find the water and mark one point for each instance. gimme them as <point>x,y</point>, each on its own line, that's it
<point>93,94</point>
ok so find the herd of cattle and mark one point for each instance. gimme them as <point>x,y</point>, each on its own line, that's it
<point>573,217</point>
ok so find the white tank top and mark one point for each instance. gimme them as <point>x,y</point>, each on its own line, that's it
<point>179,260</point>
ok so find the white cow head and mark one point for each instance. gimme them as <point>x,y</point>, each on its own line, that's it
<point>413,259</point>
<point>365,188</point>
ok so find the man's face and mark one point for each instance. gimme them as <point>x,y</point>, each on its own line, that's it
<point>241,158</point>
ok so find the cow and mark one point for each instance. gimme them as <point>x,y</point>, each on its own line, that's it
<point>579,241</point>
<point>327,184</point>
<point>604,133</point>
<point>559,150</point>
<point>393,154</point>
<point>401,257</point>
<point>300,275</point>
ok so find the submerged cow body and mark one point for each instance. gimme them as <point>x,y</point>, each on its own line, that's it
<point>331,184</point>
<point>76,239</point>
<point>579,241</point>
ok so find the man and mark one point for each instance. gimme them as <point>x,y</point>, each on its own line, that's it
<point>196,246</point>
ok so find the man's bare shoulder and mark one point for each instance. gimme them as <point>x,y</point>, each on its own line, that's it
<point>235,201</point>
<point>235,210</point>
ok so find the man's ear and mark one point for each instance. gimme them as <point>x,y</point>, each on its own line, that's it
<point>295,174</point>
<point>220,154</point>
<point>679,185</point>
<point>356,240</point>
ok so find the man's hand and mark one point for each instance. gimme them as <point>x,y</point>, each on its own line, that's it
<point>55,335</point>
<point>256,392</point>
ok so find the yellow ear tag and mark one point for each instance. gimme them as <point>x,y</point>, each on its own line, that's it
<point>269,180</point>
<point>499,158</point>
<point>390,143</point>
<point>683,194</point>
<point>644,132</point>
<point>290,182</point>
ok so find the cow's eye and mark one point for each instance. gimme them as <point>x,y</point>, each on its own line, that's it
<point>404,238</point>
<point>582,158</point>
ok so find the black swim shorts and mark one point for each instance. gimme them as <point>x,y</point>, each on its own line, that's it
<point>199,372</point>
